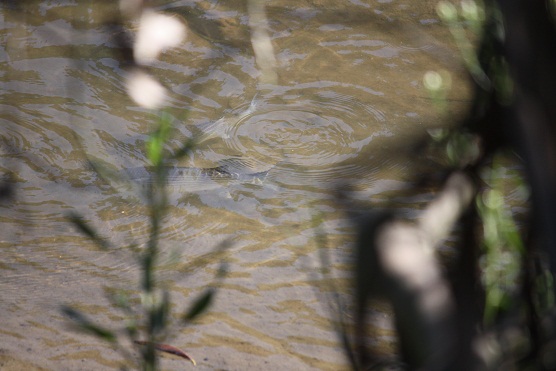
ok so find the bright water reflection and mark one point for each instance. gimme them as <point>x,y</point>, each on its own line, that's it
<point>349,91</point>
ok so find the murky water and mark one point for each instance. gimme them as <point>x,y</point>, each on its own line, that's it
<point>349,93</point>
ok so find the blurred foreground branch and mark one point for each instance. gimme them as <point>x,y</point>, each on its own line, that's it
<point>396,260</point>
<point>260,39</point>
<point>504,269</point>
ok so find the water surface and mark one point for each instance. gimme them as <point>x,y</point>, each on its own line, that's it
<point>349,94</point>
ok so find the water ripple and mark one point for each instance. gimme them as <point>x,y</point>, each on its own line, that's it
<point>307,137</point>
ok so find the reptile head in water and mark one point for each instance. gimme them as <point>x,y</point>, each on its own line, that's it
<point>191,179</point>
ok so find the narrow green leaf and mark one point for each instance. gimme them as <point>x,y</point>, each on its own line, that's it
<point>86,325</point>
<point>184,150</point>
<point>200,305</point>
<point>105,170</point>
<point>87,230</point>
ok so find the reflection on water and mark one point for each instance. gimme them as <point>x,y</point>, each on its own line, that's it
<point>349,92</point>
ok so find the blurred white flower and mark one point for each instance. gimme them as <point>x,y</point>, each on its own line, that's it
<point>157,32</point>
<point>144,89</point>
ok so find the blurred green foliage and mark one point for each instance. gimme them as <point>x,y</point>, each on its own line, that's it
<point>150,318</point>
